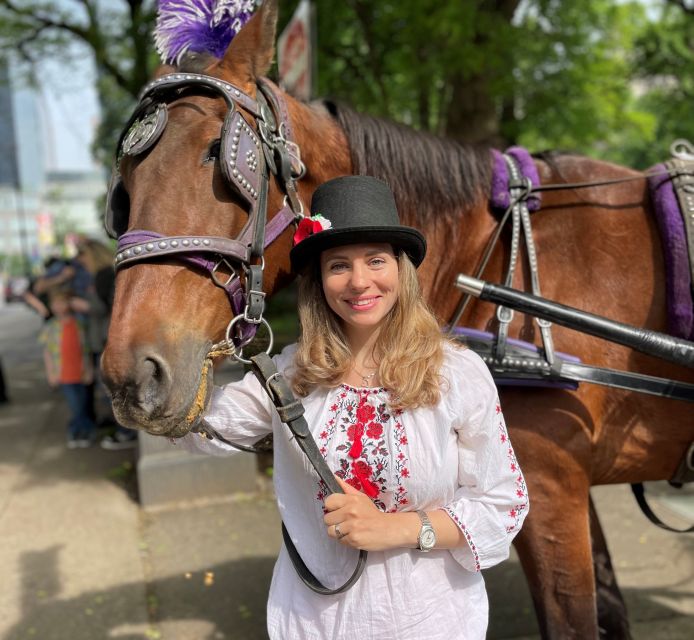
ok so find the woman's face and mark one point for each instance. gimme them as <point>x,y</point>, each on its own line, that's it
<point>361,284</point>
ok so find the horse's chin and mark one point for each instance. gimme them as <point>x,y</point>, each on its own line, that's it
<point>172,426</point>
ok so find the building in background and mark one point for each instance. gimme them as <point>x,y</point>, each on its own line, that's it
<point>22,176</point>
<point>38,207</point>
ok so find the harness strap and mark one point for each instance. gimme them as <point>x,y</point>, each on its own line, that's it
<point>640,382</point>
<point>504,315</point>
<point>291,412</point>
<point>639,492</point>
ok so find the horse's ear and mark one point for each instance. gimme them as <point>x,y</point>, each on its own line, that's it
<point>252,50</point>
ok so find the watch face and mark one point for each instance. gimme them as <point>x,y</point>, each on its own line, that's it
<point>428,539</point>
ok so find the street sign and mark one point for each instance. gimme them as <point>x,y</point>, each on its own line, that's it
<point>295,53</point>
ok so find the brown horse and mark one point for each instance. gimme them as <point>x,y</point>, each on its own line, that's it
<point>598,250</point>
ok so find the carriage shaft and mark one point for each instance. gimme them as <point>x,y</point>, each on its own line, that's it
<point>652,343</point>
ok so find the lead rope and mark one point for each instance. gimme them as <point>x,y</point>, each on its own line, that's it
<point>291,413</point>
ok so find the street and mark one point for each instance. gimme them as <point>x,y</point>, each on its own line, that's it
<point>83,561</point>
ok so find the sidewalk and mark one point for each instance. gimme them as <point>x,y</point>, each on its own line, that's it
<point>82,561</point>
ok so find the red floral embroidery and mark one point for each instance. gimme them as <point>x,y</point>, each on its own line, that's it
<point>374,430</point>
<point>363,454</point>
<point>365,412</point>
<point>468,537</point>
<point>516,511</point>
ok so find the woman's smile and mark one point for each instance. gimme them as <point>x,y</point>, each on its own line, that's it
<point>361,284</point>
<point>363,304</point>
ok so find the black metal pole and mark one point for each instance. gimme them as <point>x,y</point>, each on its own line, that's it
<point>649,342</point>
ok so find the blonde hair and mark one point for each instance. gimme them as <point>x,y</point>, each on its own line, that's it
<point>408,350</point>
<point>97,255</point>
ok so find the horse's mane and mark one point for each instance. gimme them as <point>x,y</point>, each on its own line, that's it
<point>430,176</point>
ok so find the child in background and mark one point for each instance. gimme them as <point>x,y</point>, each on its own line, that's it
<point>69,366</point>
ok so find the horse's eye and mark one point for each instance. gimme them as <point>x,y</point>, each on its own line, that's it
<point>213,150</point>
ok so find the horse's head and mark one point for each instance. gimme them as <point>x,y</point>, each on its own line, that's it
<point>204,163</point>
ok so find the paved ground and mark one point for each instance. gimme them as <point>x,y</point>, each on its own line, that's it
<point>82,561</point>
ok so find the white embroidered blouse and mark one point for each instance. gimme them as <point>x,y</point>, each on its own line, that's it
<point>455,456</point>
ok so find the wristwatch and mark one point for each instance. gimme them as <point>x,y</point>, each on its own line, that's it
<point>426,540</point>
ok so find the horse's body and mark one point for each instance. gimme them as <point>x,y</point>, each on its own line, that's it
<point>598,250</point>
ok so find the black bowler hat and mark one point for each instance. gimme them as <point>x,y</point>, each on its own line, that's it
<point>353,210</point>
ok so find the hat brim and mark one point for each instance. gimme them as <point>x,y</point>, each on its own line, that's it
<point>410,240</point>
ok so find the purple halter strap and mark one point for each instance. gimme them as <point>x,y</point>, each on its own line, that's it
<point>203,252</point>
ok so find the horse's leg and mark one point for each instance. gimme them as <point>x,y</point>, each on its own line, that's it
<point>555,551</point>
<point>612,611</point>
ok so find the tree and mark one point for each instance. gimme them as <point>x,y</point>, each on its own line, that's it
<point>117,33</point>
<point>664,70</point>
<point>594,76</point>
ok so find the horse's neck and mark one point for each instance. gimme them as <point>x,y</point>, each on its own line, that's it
<point>324,147</point>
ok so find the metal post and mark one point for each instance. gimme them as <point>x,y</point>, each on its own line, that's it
<point>22,226</point>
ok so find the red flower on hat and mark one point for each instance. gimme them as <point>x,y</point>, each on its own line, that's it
<point>308,226</point>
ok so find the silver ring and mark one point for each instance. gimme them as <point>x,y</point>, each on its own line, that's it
<point>238,354</point>
<point>339,533</point>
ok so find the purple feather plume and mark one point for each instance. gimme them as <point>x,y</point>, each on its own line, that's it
<point>201,26</point>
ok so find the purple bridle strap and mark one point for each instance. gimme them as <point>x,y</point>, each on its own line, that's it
<point>194,251</point>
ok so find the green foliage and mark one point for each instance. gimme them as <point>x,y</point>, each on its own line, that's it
<point>609,79</point>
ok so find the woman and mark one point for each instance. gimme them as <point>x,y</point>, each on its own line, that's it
<point>409,423</point>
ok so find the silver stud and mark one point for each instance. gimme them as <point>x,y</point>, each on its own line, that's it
<point>206,243</point>
<point>196,242</point>
<point>149,246</point>
<point>185,243</point>
<point>237,92</point>
<point>126,252</point>
<point>138,250</point>
<point>119,256</point>
<point>174,243</point>
<point>162,245</point>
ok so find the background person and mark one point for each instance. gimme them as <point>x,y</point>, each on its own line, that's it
<point>97,259</point>
<point>69,365</point>
<point>410,424</point>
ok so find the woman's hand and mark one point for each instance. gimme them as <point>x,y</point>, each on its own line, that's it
<point>362,525</point>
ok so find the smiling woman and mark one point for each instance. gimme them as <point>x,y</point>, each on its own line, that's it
<point>410,425</point>
<point>360,284</point>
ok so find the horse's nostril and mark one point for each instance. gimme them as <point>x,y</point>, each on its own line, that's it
<point>152,381</point>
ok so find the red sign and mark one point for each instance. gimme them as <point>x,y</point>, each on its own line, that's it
<point>295,55</point>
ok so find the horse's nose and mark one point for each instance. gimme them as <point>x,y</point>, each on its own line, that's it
<point>141,380</point>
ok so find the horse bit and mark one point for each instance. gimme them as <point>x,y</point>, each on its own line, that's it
<point>247,158</point>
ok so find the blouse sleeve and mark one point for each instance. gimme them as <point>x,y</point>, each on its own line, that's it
<point>491,501</point>
<point>240,411</point>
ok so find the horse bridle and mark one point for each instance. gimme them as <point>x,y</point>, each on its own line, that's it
<point>247,157</point>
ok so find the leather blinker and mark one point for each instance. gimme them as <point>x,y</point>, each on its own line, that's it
<point>242,157</point>
<point>117,207</point>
